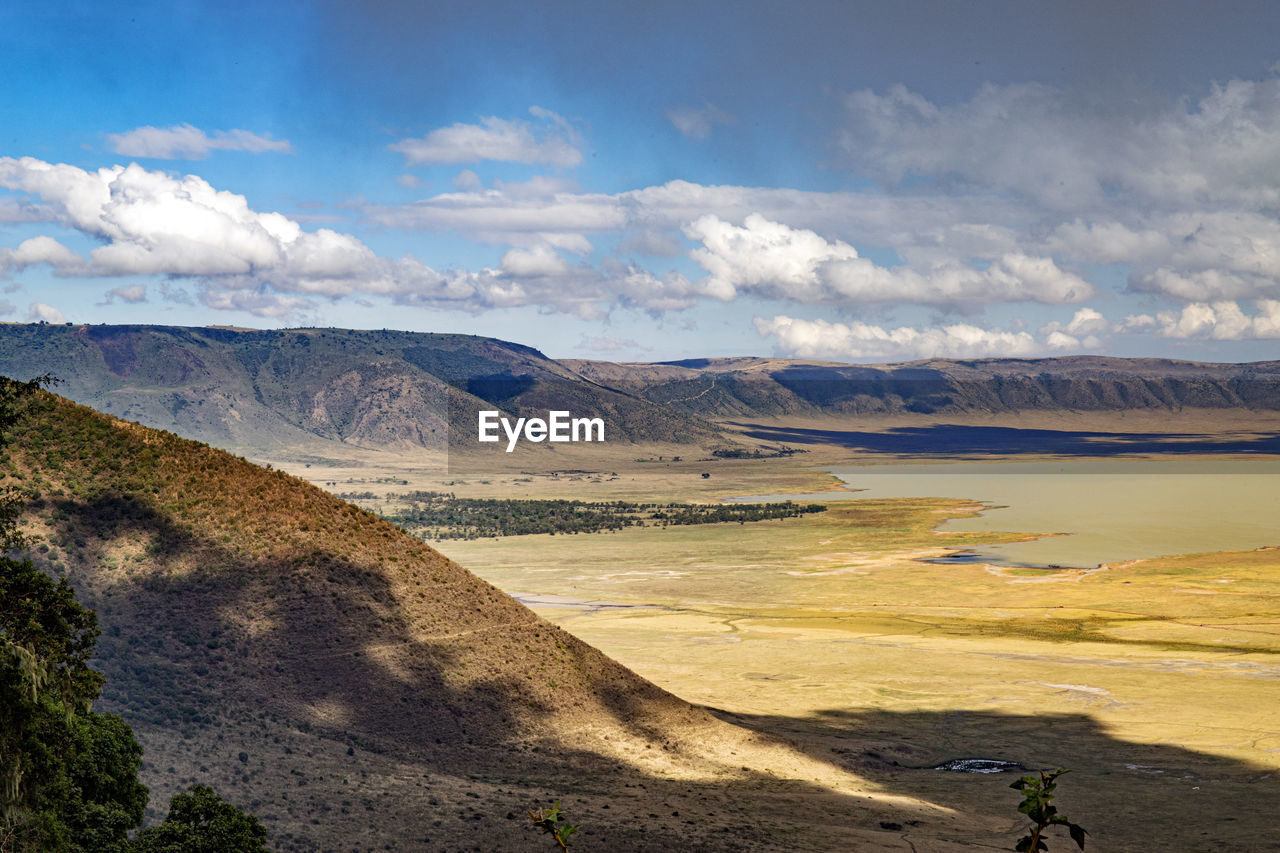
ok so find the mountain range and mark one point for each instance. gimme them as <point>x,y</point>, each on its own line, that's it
<point>273,389</point>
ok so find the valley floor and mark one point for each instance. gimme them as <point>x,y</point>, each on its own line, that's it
<point>1156,682</point>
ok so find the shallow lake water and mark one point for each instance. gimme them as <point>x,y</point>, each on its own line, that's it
<point>1109,509</point>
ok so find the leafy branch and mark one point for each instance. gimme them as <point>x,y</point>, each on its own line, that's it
<point>553,822</point>
<point>1037,804</point>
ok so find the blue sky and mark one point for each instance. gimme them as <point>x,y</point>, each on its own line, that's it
<point>851,181</point>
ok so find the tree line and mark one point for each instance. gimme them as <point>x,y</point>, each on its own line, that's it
<point>443,515</point>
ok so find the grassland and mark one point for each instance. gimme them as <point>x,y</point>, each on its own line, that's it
<point>1158,682</point>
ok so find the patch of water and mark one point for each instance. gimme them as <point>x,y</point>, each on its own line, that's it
<point>980,765</point>
<point>1102,510</point>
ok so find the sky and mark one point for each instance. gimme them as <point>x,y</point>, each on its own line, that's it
<point>853,181</point>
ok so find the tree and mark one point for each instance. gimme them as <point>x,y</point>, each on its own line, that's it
<point>200,821</point>
<point>68,774</point>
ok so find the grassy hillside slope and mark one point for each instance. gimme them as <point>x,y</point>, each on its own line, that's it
<point>358,690</point>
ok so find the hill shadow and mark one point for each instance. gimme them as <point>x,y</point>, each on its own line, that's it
<point>277,655</point>
<point>957,439</point>
<point>1129,795</point>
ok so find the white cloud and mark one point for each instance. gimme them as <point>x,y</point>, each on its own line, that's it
<point>1204,285</point>
<point>184,142</point>
<point>1136,323</point>
<point>132,294</point>
<point>538,261</point>
<point>153,223</point>
<point>7,308</point>
<point>933,233</point>
<point>39,250</point>
<point>1085,321</point>
<point>1108,242</point>
<point>1220,321</point>
<point>775,261</point>
<point>698,122</point>
<point>258,303</point>
<point>919,227</point>
<point>857,340</point>
<point>762,256</point>
<point>12,211</point>
<point>552,141</point>
<point>38,311</point>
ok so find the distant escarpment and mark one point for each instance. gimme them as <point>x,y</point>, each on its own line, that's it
<point>268,390</point>
<point>246,388</point>
<point>750,387</point>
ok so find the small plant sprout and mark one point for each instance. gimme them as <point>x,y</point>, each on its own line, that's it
<point>554,823</point>
<point>1036,804</point>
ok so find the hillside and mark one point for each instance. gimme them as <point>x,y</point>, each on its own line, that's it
<point>264,390</point>
<point>356,689</point>
<point>724,389</point>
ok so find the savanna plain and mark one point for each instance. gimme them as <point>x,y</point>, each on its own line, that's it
<point>850,637</point>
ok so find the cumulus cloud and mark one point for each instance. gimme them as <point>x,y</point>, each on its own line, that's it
<point>12,211</point>
<point>549,139</point>
<point>132,294</point>
<point>38,312</point>
<point>1081,332</point>
<point>154,223</point>
<point>1220,321</point>
<point>857,340</point>
<point>538,261</point>
<point>776,261</point>
<point>514,214</point>
<point>1223,320</point>
<point>1135,323</point>
<point>39,250</point>
<point>762,256</point>
<point>265,263</point>
<point>260,303</point>
<point>698,122</point>
<point>185,142</point>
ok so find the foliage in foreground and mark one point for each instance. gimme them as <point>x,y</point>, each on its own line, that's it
<point>200,821</point>
<point>1037,804</point>
<point>68,774</point>
<point>555,824</point>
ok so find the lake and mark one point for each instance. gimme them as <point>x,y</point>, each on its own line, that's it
<point>1109,509</point>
